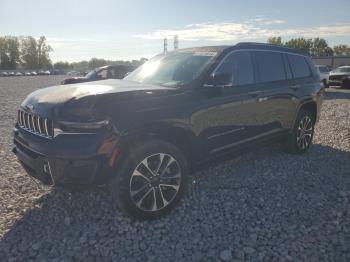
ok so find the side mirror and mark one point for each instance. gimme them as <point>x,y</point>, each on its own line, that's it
<point>221,79</point>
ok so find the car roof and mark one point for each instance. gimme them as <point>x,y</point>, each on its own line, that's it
<point>242,45</point>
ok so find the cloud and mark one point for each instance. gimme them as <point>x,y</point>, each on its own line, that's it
<point>256,28</point>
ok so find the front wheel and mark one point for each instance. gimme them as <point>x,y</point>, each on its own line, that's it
<point>300,139</point>
<point>151,180</point>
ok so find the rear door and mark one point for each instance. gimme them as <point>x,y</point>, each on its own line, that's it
<point>304,82</point>
<point>279,90</point>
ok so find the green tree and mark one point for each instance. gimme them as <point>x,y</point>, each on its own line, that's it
<point>320,48</point>
<point>9,52</point>
<point>341,50</point>
<point>62,66</point>
<point>29,52</point>
<point>35,53</point>
<point>97,62</point>
<point>301,44</point>
<point>275,40</point>
<point>43,53</point>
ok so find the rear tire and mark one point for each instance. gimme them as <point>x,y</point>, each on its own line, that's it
<point>300,139</point>
<point>150,180</point>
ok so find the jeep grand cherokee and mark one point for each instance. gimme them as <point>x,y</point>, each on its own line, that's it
<point>142,134</point>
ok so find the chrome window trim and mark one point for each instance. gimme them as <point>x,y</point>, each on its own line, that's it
<point>252,50</point>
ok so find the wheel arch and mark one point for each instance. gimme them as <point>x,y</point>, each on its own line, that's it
<point>178,135</point>
<point>310,106</point>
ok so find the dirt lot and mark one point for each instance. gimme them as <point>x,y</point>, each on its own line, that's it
<point>261,206</point>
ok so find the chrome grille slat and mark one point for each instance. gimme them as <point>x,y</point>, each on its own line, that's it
<point>30,120</point>
<point>35,124</point>
<point>27,120</point>
<point>46,130</point>
<point>22,117</point>
<point>39,124</point>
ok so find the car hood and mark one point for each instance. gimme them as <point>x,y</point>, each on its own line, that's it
<point>339,74</point>
<point>86,94</point>
<point>64,93</point>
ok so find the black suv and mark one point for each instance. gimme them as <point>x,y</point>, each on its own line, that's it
<point>101,73</point>
<point>142,134</point>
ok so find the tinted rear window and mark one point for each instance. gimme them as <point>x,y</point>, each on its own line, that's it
<point>299,66</point>
<point>270,66</point>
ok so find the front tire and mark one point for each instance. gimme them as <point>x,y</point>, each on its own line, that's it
<point>151,180</point>
<point>300,139</point>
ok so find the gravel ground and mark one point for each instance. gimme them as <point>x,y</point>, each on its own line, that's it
<point>261,206</point>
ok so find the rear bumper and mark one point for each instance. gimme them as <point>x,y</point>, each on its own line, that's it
<point>53,169</point>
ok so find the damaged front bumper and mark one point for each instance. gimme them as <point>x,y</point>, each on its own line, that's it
<point>67,159</point>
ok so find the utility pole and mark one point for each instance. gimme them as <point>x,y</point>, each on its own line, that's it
<point>165,45</point>
<point>176,42</point>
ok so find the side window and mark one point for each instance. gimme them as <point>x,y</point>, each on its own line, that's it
<point>103,74</point>
<point>299,66</point>
<point>110,73</point>
<point>270,66</point>
<point>239,65</point>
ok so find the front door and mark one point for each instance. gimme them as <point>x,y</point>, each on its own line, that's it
<point>228,115</point>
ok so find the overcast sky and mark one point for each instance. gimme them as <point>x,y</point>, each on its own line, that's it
<point>131,29</point>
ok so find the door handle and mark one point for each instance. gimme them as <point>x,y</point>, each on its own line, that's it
<point>295,87</point>
<point>254,93</point>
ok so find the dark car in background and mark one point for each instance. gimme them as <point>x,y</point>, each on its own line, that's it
<point>142,135</point>
<point>101,73</point>
<point>340,77</point>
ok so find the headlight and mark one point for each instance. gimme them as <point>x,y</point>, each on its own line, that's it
<point>85,125</point>
<point>67,127</point>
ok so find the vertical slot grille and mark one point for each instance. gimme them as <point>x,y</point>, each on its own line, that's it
<point>35,124</point>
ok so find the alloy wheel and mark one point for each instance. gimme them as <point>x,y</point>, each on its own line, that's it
<point>304,132</point>
<point>155,182</point>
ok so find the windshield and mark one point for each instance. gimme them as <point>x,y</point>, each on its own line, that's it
<point>91,73</point>
<point>342,70</point>
<point>172,70</point>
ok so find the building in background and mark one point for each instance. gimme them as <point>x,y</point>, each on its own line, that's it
<point>332,61</point>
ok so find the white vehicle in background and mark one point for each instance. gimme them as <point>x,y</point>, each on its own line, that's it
<point>324,74</point>
<point>73,73</point>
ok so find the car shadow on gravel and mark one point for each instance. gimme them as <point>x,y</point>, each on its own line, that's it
<point>260,188</point>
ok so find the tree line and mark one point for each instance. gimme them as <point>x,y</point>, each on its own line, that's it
<point>317,47</point>
<point>25,51</point>
<point>31,53</point>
